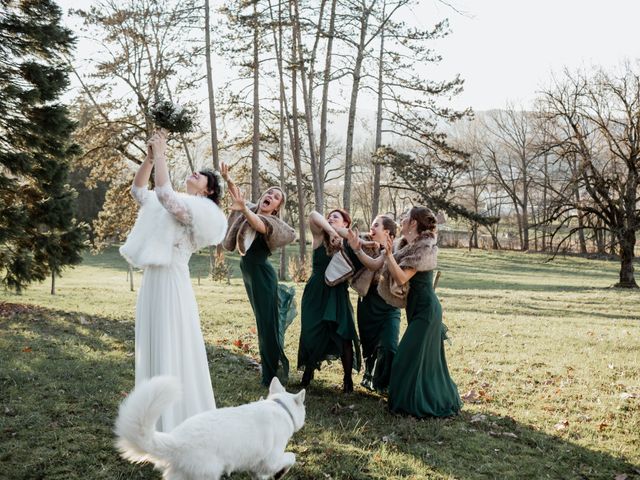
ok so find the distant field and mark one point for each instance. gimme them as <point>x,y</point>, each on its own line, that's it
<point>546,354</point>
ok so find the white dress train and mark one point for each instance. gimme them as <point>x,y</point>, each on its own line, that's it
<point>168,338</point>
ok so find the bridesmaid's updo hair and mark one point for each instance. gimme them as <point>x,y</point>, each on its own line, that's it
<point>213,185</point>
<point>426,220</point>
<point>343,213</point>
<point>388,224</point>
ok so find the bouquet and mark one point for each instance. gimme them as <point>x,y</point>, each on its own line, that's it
<point>171,117</point>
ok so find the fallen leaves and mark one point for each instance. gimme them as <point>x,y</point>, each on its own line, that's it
<point>562,425</point>
<point>27,350</point>
<point>477,396</point>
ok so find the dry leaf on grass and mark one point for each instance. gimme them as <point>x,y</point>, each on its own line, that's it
<point>471,396</point>
<point>27,350</point>
<point>478,417</point>
<point>561,425</point>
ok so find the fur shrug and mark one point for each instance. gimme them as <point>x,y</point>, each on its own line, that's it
<point>364,278</point>
<point>151,240</point>
<point>422,255</point>
<point>278,232</point>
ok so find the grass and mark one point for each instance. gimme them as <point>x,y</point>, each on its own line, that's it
<point>547,355</point>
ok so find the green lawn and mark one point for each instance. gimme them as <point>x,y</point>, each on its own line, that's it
<point>547,355</point>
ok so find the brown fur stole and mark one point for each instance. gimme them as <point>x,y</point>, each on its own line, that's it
<point>278,232</point>
<point>421,255</point>
<point>364,278</point>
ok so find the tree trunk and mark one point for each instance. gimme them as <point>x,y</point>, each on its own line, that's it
<point>627,245</point>
<point>212,105</point>
<point>53,282</point>
<point>325,101</point>
<point>255,142</point>
<point>306,97</point>
<point>130,278</point>
<point>375,195</point>
<point>296,153</point>
<point>355,88</point>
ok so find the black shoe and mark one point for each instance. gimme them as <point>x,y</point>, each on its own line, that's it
<point>307,376</point>
<point>347,385</point>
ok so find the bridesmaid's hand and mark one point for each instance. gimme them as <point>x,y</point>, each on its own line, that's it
<point>388,246</point>
<point>354,240</point>
<point>238,203</point>
<point>334,239</point>
<point>224,171</point>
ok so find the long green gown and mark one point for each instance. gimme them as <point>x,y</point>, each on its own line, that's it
<point>265,295</point>
<point>379,330</point>
<point>326,318</point>
<point>420,383</point>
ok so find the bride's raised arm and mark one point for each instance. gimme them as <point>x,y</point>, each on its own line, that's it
<point>167,197</point>
<point>139,189</point>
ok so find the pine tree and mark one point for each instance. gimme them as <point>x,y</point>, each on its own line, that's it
<point>38,232</point>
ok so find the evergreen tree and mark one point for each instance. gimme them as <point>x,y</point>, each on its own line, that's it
<point>38,232</point>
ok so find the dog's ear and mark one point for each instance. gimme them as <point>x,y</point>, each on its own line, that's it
<point>275,386</point>
<point>299,398</point>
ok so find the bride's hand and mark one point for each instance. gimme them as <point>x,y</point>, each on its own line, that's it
<point>238,203</point>
<point>157,145</point>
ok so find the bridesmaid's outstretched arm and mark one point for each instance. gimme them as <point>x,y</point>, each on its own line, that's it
<point>356,243</point>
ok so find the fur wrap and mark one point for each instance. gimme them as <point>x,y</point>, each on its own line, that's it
<point>422,255</point>
<point>364,278</point>
<point>151,240</point>
<point>278,232</point>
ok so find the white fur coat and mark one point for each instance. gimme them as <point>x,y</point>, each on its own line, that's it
<point>151,240</point>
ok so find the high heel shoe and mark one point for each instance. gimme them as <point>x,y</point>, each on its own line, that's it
<point>347,385</point>
<point>307,376</point>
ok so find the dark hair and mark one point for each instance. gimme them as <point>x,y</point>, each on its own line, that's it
<point>213,186</point>
<point>426,220</point>
<point>343,213</point>
<point>389,224</point>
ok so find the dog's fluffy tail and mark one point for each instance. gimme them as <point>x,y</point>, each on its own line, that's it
<point>138,440</point>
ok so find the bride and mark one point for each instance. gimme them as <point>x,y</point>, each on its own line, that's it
<point>169,228</point>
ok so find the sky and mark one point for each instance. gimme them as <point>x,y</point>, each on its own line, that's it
<point>507,50</point>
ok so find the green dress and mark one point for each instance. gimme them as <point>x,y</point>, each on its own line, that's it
<point>265,295</point>
<point>379,329</point>
<point>420,384</point>
<point>326,318</point>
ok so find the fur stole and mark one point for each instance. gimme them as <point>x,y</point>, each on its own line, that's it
<point>151,240</point>
<point>364,278</point>
<point>240,234</point>
<point>422,255</point>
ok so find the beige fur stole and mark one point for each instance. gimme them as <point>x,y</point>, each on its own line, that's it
<point>278,232</point>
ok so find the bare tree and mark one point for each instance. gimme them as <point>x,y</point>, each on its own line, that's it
<point>600,117</point>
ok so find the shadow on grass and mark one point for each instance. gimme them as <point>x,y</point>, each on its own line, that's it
<point>62,377</point>
<point>466,446</point>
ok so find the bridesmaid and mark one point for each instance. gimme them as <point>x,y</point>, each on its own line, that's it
<point>256,231</point>
<point>378,322</point>
<point>327,330</point>
<point>420,384</point>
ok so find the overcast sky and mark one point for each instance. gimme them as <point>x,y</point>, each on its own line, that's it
<point>505,50</point>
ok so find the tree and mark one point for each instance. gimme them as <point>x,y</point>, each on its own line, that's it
<point>598,124</point>
<point>38,232</point>
<point>510,151</point>
<point>146,54</point>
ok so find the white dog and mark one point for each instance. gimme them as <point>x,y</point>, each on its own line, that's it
<point>250,438</point>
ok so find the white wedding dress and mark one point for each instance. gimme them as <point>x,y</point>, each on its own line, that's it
<point>168,338</point>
